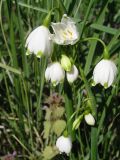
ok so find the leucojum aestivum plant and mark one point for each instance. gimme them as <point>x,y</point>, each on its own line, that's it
<point>64,70</point>
<point>59,89</point>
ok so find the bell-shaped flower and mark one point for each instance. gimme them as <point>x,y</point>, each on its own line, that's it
<point>54,73</point>
<point>104,73</point>
<point>72,75</point>
<point>65,31</point>
<point>65,63</point>
<point>39,42</point>
<point>64,144</point>
<point>89,119</point>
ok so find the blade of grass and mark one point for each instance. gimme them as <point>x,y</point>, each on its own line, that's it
<point>11,69</point>
<point>103,28</point>
<point>91,52</point>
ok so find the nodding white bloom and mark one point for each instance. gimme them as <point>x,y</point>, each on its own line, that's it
<point>64,144</point>
<point>65,31</point>
<point>65,63</point>
<point>54,73</point>
<point>39,43</point>
<point>72,75</point>
<point>104,73</point>
<point>89,119</point>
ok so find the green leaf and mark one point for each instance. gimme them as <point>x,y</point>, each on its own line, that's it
<point>58,127</point>
<point>103,28</point>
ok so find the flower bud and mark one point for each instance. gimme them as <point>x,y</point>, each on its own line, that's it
<point>65,63</point>
<point>72,75</point>
<point>89,119</point>
<point>104,73</point>
<point>54,73</point>
<point>64,144</point>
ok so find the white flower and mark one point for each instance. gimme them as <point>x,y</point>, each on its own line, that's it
<point>104,73</point>
<point>89,119</point>
<point>64,144</point>
<point>65,63</point>
<point>72,75</point>
<point>54,73</point>
<point>39,43</point>
<point>65,31</point>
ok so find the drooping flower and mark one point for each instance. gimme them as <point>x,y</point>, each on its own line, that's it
<point>39,42</point>
<point>65,63</point>
<point>72,75</point>
<point>64,144</point>
<point>89,119</point>
<point>65,31</point>
<point>54,73</point>
<point>104,73</point>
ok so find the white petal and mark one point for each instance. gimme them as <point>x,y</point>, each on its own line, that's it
<point>39,41</point>
<point>47,72</point>
<point>64,144</point>
<point>58,29</point>
<point>57,73</point>
<point>67,20</point>
<point>104,72</point>
<point>72,75</point>
<point>65,31</point>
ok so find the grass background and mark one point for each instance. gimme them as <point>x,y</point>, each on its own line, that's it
<point>23,89</point>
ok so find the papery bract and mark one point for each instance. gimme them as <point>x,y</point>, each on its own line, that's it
<point>39,42</point>
<point>65,31</point>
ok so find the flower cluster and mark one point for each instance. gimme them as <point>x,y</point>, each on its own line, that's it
<point>40,40</point>
<point>55,72</point>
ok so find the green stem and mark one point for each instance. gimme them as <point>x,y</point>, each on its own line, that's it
<point>42,79</point>
<point>94,112</point>
<point>105,52</point>
<point>69,108</point>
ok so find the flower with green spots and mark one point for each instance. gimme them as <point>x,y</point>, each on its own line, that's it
<point>39,43</point>
<point>65,32</point>
<point>55,73</point>
<point>64,144</point>
<point>104,73</point>
<point>72,75</point>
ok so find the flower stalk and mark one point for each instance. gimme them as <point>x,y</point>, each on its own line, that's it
<point>105,52</point>
<point>94,151</point>
<point>69,108</point>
